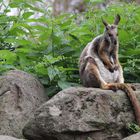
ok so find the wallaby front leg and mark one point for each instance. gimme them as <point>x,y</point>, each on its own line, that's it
<point>105,59</point>
<point>104,55</point>
<point>115,58</point>
<point>91,76</point>
<point>120,78</point>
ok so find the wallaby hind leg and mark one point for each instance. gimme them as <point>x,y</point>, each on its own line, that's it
<point>93,78</point>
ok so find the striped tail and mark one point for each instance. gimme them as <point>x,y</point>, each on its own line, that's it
<point>133,99</point>
<point>129,90</point>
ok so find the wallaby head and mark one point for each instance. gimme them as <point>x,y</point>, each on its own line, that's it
<point>111,32</point>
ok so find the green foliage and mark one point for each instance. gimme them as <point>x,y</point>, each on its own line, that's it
<point>49,47</point>
<point>133,128</point>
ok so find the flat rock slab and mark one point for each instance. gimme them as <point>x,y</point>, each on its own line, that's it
<point>80,113</point>
<point>2,137</point>
<point>20,95</point>
<point>133,137</point>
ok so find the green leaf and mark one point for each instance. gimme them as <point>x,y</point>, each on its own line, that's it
<point>40,69</point>
<point>51,60</point>
<point>7,57</point>
<point>27,14</point>
<point>52,72</point>
<point>133,52</point>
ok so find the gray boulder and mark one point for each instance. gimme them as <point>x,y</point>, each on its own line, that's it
<point>2,137</point>
<point>82,114</point>
<point>20,95</point>
<point>133,137</point>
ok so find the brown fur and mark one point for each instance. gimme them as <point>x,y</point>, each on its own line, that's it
<point>99,65</point>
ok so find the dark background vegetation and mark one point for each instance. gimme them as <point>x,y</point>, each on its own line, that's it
<point>49,45</point>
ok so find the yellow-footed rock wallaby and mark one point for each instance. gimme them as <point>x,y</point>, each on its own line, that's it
<point>99,65</point>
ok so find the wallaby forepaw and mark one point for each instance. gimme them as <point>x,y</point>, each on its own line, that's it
<point>110,67</point>
<point>116,67</point>
<point>111,70</point>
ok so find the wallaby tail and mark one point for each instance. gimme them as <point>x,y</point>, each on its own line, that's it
<point>133,99</point>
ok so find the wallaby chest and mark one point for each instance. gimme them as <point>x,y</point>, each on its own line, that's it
<point>109,77</point>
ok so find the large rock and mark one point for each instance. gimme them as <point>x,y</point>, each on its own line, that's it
<point>2,137</point>
<point>20,95</point>
<point>82,114</point>
<point>133,137</point>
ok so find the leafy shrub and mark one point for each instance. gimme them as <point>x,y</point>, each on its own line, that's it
<point>133,128</point>
<point>49,47</point>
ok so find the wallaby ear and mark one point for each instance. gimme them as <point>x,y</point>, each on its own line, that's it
<point>104,22</point>
<point>117,19</point>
